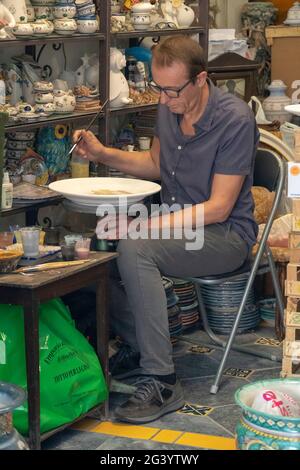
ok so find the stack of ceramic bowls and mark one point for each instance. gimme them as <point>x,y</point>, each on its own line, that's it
<point>16,145</point>
<point>87,22</point>
<point>175,323</point>
<point>64,12</point>
<point>222,303</point>
<point>43,95</point>
<point>187,301</point>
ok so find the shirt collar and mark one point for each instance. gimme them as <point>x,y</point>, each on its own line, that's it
<point>206,119</point>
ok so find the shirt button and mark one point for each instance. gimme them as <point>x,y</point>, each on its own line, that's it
<point>173,198</point>
<point>173,173</point>
<point>179,147</point>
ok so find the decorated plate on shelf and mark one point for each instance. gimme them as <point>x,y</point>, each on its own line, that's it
<point>96,191</point>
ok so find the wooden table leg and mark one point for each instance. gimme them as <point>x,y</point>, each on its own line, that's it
<point>31,326</point>
<point>103,327</point>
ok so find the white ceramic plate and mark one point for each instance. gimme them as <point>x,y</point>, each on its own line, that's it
<point>80,190</point>
<point>293,108</point>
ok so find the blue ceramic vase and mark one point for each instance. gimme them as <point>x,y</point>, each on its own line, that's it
<point>258,430</point>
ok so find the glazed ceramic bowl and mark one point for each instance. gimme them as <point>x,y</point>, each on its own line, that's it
<point>43,86</point>
<point>259,430</point>
<point>42,12</point>
<point>86,10</point>
<point>18,144</point>
<point>87,26</point>
<point>64,11</point>
<point>43,98</point>
<point>23,29</point>
<point>42,27</point>
<point>48,108</point>
<point>65,26</point>
<point>15,154</point>
<point>140,21</point>
<point>21,135</point>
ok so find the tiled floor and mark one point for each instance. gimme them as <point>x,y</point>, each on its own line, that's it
<point>213,424</point>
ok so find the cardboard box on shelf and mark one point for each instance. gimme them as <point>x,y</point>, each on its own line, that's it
<point>285,46</point>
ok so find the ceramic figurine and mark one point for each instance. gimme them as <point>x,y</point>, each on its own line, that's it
<point>185,16</point>
<point>119,89</point>
<point>6,19</point>
<point>54,143</point>
<point>18,9</point>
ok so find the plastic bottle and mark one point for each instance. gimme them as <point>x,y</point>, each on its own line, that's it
<point>79,166</point>
<point>2,92</point>
<point>7,192</point>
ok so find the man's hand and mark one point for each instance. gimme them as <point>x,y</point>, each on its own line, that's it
<point>3,23</point>
<point>89,147</point>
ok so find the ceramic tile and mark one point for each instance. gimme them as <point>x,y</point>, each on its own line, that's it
<point>73,440</point>
<point>119,443</point>
<point>227,416</point>
<point>198,390</point>
<point>265,374</point>
<point>197,424</point>
<point>246,361</point>
<point>195,365</point>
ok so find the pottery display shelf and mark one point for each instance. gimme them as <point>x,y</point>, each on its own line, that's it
<point>158,32</point>
<point>51,38</point>
<point>49,120</point>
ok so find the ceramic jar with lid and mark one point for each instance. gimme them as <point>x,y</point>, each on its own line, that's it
<point>293,16</point>
<point>141,15</point>
<point>275,103</point>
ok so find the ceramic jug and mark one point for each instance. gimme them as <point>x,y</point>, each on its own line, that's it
<point>275,103</point>
<point>18,9</point>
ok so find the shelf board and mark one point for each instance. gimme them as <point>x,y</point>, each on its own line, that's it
<point>54,119</point>
<point>52,38</point>
<point>31,206</point>
<point>159,32</point>
<point>133,108</point>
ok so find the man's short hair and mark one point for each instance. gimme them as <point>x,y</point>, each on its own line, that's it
<point>183,49</point>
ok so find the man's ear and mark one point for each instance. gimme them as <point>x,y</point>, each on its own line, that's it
<point>201,78</point>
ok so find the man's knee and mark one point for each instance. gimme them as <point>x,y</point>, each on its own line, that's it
<point>130,249</point>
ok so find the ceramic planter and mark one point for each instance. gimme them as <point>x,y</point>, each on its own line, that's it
<point>258,430</point>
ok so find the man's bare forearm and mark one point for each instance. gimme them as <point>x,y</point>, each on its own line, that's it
<point>139,164</point>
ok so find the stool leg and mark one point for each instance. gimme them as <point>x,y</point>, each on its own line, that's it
<point>31,326</point>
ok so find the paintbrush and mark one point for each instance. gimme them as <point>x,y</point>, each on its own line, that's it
<point>89,126</point>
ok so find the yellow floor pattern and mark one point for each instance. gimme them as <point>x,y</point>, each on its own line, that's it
<point>168,436</point>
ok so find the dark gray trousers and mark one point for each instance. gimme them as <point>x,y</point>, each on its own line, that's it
<point>139,313</point>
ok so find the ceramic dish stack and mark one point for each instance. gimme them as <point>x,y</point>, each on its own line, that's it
<point>16,145</point>
<point>44,98</point>
<point>64,12</point>
<point>222,303</point>
<point>87,22</point>
<point>174,312</point>
<point>187,301</point>
<point>267,308</point>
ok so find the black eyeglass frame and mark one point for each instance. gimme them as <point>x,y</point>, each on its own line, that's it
<point>158,89</point>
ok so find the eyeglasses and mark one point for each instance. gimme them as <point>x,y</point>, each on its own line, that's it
<point>170,92</point>
<point>165,25</point>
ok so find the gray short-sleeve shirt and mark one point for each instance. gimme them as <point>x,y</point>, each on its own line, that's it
<point>225,142</point>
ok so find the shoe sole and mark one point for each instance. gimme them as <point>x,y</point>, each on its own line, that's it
<point>174,406</point>
<point>126,375</point>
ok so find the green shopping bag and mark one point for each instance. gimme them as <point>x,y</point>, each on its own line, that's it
<point>71,379</point>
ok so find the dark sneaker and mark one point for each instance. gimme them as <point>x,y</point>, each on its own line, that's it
<point>151,400</point>
<point>125,363</point>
